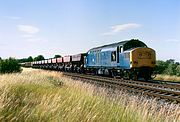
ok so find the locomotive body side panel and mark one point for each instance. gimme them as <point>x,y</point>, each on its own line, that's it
<point>124,60</point>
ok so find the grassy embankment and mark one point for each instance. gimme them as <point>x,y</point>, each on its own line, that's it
<point>167,78</point>
<point>36,95</point>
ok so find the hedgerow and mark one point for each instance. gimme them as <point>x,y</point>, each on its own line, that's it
<point>10,65</point>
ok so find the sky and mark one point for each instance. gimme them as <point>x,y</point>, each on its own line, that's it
<point>66,27</point>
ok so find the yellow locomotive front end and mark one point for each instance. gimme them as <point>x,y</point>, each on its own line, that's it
<point>142,57</point>
<point>142,62</point>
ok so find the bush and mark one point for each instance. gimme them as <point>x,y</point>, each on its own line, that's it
<point>160,67</point>
<point>178,70</point>
<point>169,67</point>
<point>10,65</point>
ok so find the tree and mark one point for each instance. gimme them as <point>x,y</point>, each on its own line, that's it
<point>177,63</point>
<point>170,61</point>
<point>39,58</point>
<point>0,58</point>
<point>57,56</point>
<point>30,59</point>
<point>170,70</point>
<point>160,66</point>
<point>172,67</point>
<point>10,65</point>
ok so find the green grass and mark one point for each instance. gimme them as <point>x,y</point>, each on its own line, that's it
<point>36,95</point>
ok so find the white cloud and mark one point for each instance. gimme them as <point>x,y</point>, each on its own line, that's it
<point>119,28</point>
<point>29,29</point>
<point>30,33</point>
<point>12,17</point>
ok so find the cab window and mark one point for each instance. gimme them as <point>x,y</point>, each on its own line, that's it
<point>113,56</point>
<point>120,49</point>
<point>133,44</point>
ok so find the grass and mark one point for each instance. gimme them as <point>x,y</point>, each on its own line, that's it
<point>167,78</point>
<point>36,95</point>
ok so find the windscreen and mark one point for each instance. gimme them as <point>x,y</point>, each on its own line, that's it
<point>134,44</point>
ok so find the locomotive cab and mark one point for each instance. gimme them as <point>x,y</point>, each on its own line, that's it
<point>136,59</point>
<point>123,52</point>
<point>142,61</point>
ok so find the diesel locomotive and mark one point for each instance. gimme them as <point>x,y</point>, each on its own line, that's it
<point>130,59</point>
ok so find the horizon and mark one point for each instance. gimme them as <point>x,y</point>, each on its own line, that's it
<point>48,28</point>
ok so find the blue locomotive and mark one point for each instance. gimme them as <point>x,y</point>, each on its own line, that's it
<point>130,59</point>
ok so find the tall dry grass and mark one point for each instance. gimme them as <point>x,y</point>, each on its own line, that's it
<point>36,95</point>
<point>167,78</point>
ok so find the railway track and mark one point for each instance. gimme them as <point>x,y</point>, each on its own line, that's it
<point>169,92</point>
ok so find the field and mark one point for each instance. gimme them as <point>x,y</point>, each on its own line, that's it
<point>167,78</point>
<point>37,95</point>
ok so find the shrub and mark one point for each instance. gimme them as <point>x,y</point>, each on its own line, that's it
<point>169,67</point>
<point>160,66</point>
<point>178,70</point>
<point>10,65</point>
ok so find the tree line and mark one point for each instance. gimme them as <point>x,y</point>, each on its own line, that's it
<point>38,58</point>
<point>168,67</point>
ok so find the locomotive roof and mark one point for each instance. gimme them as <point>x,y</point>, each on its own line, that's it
<point>115,44</point>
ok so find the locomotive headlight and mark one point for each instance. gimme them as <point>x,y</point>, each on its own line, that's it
<point>140,54</point>
<point>153,62</point>
<point>149,54</point>
<point>135,62</point>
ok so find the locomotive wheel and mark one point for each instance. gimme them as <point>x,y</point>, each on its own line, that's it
<point>135,77</point>
<point>126,75</point>
<point>146,77</point>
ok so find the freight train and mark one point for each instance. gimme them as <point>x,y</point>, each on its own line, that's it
<point>130,59</point>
